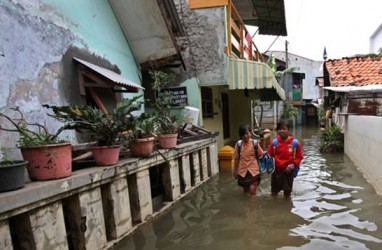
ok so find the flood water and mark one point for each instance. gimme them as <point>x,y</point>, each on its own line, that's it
<point>332,207</point>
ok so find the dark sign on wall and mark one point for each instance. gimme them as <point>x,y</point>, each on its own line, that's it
<point>178,96</point>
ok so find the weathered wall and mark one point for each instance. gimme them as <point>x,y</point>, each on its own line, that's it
<point>39,38</point>
<point>363,146</point>
<point>204,44</point>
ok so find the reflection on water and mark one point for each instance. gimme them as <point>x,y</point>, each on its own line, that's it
<point>332,207</point>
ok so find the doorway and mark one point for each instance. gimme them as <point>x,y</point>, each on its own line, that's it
<point>225,115</point>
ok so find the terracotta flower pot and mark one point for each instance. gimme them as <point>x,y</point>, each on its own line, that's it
<point>142,147</point>
<point>48,162</point>
<point>12,175</point>
<point>106,155</point>
<point>168,140</point>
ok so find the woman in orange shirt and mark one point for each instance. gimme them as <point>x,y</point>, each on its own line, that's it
<point>246,168</point>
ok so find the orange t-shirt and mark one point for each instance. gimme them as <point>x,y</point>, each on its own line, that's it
<point>248,161</point>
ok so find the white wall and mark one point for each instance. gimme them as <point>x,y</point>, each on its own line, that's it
<point>376,40</point>
<point>363,143</point>
<point>310,68</point>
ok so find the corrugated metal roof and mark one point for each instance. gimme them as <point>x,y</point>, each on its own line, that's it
<point>367,88</point>
<point>112,76</point>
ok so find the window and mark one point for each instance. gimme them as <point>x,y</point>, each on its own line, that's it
<point>207,103</point>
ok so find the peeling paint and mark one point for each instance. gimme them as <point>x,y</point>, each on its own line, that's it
<point>65,186</point>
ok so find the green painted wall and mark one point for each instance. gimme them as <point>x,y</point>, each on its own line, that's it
<point>193,92</point>
<point>96,25</point>
<point>193,95</point>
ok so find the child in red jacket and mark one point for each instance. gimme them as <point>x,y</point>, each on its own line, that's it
<point>287,158</point>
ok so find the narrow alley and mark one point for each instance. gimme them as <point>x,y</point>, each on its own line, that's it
<point>332,207</point>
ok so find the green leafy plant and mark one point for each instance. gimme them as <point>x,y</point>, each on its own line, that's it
<point>279,74</point>
<point>143,127</point>
<point>105,129</point>
<point>167,123</point>
<point>290,111</point>
<point>31,134</point>
<point>321,112</point>
<point>332,140</point>
<point>161,79</point>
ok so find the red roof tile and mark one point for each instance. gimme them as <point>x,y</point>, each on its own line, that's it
<point>355,71</point>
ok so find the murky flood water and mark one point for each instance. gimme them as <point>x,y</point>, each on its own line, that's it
<point>332,207</point>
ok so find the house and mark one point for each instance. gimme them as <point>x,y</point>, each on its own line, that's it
<point>300,86</point>
<point>353,90</point>
<point>354,87</point>
<point>222,62</point>
<point>92,54</point>
<point>58,56</point>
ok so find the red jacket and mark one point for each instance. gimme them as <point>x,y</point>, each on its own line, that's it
<point>283,153</point>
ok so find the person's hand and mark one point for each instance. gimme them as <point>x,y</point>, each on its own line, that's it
<point>289,168</point>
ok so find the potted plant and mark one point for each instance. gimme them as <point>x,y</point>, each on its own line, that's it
<point>106,130</point>
<point>332,140</point>
<point>167,123</point>
<point>142,136</point>
<point>12,172</point>
<point>48,156</point>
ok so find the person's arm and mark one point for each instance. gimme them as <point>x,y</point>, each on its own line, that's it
<point>270,149</point>
<point>260,151</point>
<point>299,155</point>
<point>297,159</point>
<point>236,161</point>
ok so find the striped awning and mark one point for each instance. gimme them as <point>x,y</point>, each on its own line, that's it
<point>257,76</point>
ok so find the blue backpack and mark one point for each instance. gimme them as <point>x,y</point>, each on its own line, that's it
<point>265,162</point>
<point>294,145</point>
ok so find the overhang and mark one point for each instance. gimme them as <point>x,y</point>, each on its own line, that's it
<point>150,27</point>
<point>113,78</point>
<point>268,15</point>
<point>253,75</point>
<point>347,89</point>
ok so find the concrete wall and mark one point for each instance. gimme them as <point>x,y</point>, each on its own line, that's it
<point>363,145</point>
<point>204,43</point>
<point>39,38</point>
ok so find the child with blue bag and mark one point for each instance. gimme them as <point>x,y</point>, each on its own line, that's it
<point>288,154</point>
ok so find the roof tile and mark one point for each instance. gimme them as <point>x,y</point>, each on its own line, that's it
<point>355,71</point>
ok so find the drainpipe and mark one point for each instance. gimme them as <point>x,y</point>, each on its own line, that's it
<point>253,133</point>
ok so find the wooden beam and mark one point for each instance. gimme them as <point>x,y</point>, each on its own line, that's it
<point>81,82</point>
<point>199,4</point>
<point>98,100</point>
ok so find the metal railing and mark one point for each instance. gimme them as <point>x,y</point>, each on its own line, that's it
<point>240,43</point>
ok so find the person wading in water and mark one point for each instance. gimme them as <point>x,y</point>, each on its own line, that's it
<point>288,154</point>
<point>246,167</point>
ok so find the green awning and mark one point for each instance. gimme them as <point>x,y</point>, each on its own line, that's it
<point>256,76</point>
